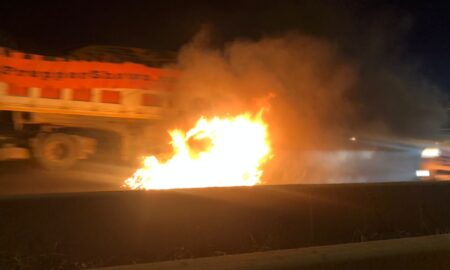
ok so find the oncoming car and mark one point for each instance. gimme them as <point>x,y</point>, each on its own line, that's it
<point>435,163</point>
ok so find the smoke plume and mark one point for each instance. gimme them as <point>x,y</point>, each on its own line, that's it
<point>318,90</point>
<point>303,80</point>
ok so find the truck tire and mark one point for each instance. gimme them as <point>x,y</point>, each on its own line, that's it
<point>56,151</point>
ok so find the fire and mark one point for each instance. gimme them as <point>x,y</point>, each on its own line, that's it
<point>216,152</point>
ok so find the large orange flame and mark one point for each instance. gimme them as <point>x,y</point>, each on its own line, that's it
<point>217,152</point>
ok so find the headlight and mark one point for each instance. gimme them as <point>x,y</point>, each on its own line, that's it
<point>430,152</point>
<point>423,173</point>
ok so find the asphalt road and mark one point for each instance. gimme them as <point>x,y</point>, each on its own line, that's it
<point>25,177</point>
<point>425,252</point>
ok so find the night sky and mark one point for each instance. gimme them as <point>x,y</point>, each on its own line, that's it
<point>421,30</point>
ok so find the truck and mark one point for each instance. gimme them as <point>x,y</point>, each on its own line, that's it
<point>58,110</point>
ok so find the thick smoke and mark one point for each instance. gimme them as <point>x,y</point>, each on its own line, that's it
<point>391,94</point>
<point>315,91</point>
<point>303,80</point>
<point>319,91</point>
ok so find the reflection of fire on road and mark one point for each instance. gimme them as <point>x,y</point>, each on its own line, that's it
<point>217,152</point>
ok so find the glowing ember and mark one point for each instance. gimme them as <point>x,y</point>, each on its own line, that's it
<point>217,152</point>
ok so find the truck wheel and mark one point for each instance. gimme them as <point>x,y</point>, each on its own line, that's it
<point>57,151</point>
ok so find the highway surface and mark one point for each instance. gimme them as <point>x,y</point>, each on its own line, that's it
<point>26,177</point>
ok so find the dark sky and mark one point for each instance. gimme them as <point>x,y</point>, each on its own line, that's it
<point>56,27</point>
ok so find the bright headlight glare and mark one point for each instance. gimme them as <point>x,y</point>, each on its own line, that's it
<point>422,173</point>
<point>430,152</point>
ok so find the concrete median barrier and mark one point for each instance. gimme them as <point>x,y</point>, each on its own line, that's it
<point>114,228</point>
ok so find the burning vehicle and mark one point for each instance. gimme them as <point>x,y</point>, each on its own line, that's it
<point>217,152</point>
